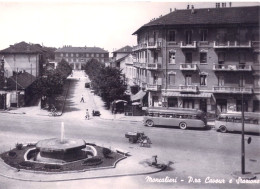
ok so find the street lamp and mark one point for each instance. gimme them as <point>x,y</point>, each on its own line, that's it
<point>243,174</point>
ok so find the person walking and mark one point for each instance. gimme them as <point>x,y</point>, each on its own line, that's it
<point>87,114</point>
<point>82,99</point>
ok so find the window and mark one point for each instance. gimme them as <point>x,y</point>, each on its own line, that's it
<point>87,55</point>
<point>256,106</point>
<point>188,80</point>
<point>203,35</point>
<point>242,60</point>
<point>188,57</point>
<point>172,102</point>
<point>71,55</point>
<point>171,79</point>
<point>188,36</point>
<point>203,58</point>
<point>77,55</point>
<point>61,54</point>
<point>171,35</point>
<point>239,105</point>
<point>92,55</point>
<point>257,58</point>
<point>241,81</point>
<point>67,54</point>
<point>203,80</point>
<point>221,80</point>
<point>188,103</point>
<point>257,82</point>
<point>172,57</point>
<point>97,55</point>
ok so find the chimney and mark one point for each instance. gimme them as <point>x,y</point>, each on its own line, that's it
<point>192,9</point>
<point>188,6</point>
<point>230,4</point>
<point>170,9</point>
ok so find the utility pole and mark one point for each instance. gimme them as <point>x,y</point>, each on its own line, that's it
<point>243,174</point>
<point>17,96</point>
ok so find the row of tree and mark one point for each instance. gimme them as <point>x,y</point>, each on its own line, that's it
<point>107,82</point>
<point>50,84</point>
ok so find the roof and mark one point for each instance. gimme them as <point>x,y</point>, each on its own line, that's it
<point>23,79</point>
<point>177,110</point>
<point>178,94</point>
<point>121,59</point>
<point>126,49</point>
<point>23,47</point>
<point>208,16</point>
<point>69,49</point>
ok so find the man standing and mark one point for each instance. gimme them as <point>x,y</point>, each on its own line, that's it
<point>82,99</point>
<point>87,114</point>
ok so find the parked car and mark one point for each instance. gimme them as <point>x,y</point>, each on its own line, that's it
<point>87,85</point>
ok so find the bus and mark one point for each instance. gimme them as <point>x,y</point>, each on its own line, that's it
<point>233,122</point>
<point>175,117</point>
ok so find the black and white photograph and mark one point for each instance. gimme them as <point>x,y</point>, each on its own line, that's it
<point>129,94</point>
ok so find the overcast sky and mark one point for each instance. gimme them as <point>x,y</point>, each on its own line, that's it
<point>107,24</point>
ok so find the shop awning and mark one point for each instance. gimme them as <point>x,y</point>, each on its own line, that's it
<point>178,94</point>
<point>138,95</point>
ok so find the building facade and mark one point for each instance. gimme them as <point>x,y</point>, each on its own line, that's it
<point>77,56</point>
<point>206,59</point>
<point>25,57</point>
<point>120,55</point>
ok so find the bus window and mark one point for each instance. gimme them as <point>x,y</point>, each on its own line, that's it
<point>247,120</point>
<point>255,121</point>
<point>162,115</point>
<point>237,120</point>
<point>150,114</point>
<point>155,114</point>
<point>220,118</point>
<point>169,115</point>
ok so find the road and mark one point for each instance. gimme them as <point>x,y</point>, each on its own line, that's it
<point>196,154</point>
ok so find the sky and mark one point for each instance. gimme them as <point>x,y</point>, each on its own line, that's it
<point>105,24</point>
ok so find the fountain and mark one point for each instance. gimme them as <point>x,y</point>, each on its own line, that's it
<point>61,154</point>
<point>60,150</point>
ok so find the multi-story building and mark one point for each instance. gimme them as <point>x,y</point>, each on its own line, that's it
<point>119,55</point>
<point>206,59</point>
<point>24,56</point>
<point>77,56</point>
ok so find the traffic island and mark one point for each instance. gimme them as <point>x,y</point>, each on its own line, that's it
<point>38,157</point>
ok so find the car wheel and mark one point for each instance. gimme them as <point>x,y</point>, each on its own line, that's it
<point>222,129</point>
<point>149,123</point>
<point>183,125</point>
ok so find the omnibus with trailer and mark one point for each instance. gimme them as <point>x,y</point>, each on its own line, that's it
<point>175,117</point>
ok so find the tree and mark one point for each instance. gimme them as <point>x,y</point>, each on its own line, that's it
<point>106,81</point>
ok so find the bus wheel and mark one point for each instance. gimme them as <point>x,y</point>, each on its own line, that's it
<point>183,125</point>
<point>149,123</point>
<point>222,129</point>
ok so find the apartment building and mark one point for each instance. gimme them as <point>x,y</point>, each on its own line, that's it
<point>206,59</point>
<point>77,56</point>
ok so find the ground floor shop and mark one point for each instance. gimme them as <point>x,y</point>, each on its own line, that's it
<point>211,103</point>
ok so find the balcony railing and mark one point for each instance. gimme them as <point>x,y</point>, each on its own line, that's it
<point>154,45</point>
<point>188,88</point>
<point>153,66</point>
<point>238,90</point>
<point>139,65</point>
<point>187,45</point>
<point>140,47</point>
<point>232,44</point>
<point>226,67</point>
<point>188,66</point>
<point>153,87</point>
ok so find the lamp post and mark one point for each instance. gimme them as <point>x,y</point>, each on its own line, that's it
<point>243,174</point>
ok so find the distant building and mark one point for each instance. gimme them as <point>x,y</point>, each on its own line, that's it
<point>119,55</point>
<point>77,56</point>
<point>26,57</point>
<point>201,58</point>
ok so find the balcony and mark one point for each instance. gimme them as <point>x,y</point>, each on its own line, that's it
<point>153,66</point>
<point>235,44</point>
<point>188,66</point>
<point>188,88</point>
<point>154,45</point>
<point>236,90</point>
<point>139,65</point>
<point>221,67</point>
<point>193,45</point>
<point>153,87</point>
<point>140,47</point>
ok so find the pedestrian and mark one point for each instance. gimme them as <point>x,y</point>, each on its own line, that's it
<point>82,99</point>
<point>87,114</point>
